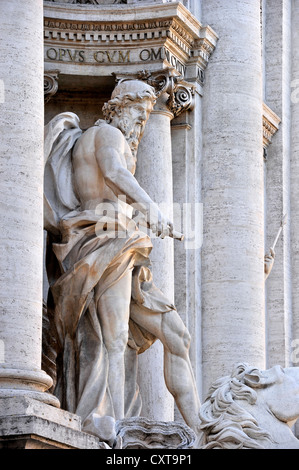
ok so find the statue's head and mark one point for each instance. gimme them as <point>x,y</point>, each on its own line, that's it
<point>129,108</point>
<point>232,415</point>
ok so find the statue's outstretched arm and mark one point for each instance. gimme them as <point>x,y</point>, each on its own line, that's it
<point>122,182</point>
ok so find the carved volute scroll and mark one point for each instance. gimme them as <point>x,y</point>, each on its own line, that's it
<point>182,98</point>
<point>50,84</point>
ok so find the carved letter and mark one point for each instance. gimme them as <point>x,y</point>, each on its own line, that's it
<point>124,57</point>
<point>72,57</point>
<point>61,54</point>
<point>81,56</point>
<point>96,54</point>
<point>50,56</point>
<point>146,56</point>
<point>110,58</point>
<point>156,55</point>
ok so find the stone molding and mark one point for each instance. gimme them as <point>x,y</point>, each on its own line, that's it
<point>202,51</point>
<point>270,125</point>
<point>28,423</point>
<point>16,382</point>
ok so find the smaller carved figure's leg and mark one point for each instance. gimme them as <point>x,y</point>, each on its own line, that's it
<point>114,310</point>
<point>179,378</point>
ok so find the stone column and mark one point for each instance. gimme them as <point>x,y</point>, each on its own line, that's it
<point>194,6</point>
<point>154,174</point>
<point>294,182</point>
<point>187,160</point>
<point>233,323</point>
<point>294,189</point>
<point>277,39</point>
<point>21,201</point>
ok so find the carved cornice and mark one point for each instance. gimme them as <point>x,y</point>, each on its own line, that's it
<point>203,49</point>
<point>50,84</point>
<point>270,125</point>
<point>109,37</point>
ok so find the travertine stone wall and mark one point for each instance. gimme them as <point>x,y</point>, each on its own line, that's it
<point>21,199</point>
<point>233,320</point>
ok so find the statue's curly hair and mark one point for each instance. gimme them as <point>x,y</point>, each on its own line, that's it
<point>116,104</point>
<point>224,423</point>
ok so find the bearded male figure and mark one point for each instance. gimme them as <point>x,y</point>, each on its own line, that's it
<point>103,308</point>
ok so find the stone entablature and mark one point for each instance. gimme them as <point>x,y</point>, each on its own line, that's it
<point>102,39</point>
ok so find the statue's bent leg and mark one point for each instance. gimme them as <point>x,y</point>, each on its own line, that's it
<point>179,378</point>
<point>114,310</point>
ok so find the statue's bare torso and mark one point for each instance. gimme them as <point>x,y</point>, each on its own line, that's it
<point>100,153</point>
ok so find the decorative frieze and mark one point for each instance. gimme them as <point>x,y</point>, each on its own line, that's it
<point>105,2</point>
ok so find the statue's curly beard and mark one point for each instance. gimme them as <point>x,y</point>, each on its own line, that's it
<point>132,131</point>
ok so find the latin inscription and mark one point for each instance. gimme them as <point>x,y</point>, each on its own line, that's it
<point>63,55</point>
<point>114,56</point>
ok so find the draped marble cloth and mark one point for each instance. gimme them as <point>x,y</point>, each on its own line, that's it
<point>83,254</point>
